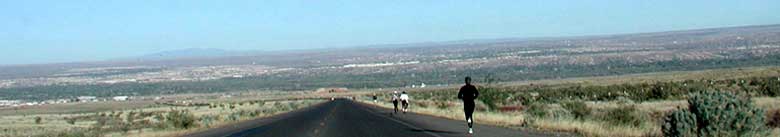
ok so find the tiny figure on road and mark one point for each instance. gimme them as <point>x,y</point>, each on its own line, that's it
<point>374,98</point>
<point>468,93</point>
<point>395,100</point>
<point>405,101</point>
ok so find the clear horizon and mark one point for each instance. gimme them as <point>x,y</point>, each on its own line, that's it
<point>38,32</point>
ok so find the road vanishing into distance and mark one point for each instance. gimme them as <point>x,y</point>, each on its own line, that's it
<point>346,118</point>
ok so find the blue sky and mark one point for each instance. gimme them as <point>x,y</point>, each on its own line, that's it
<point>42,31</point>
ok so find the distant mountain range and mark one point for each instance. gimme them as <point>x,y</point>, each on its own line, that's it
<point>666,44</point>
<point>194,53</point>
<point>188,53</point>
<point>197,53</point>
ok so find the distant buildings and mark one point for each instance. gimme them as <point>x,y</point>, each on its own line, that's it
<point>379,64</point>
<point>140,74</point>
<point>422,85</point>
<point>4,103</point>
<point>87,99</point>
<point>18,103</point>
<point>61,101</point>
<point>21,103</point>
<point>121,98</point>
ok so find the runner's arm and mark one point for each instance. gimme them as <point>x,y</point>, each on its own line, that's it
<point>476,93</point>
<point>460,93</point>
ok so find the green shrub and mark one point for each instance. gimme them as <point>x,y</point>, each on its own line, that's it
<point>118,114</point>
<point>234,117</point>
<point>130,117</point>
<point>124,127</point>
<point>679,123</point>
<point>717,114</point>
<point>38,120</point>
<point>624,115</point>
<point>492,97</point>
<point>659,93</point>
<point>624,101</point>
<point>159,117</point>
<point>207,120</point>
<point>578,109</point>
<point>71,120</point>
<point>771,88</point>
<point>161,121</point>
<point>294,105</point>
<point>260,103</point>
<point>525,98</point>
<point>536,110</point>
<point>254,113</point>
<point>181,119</point>
<point>441,104</point>
<point>100,121</point>
<point>773,119</point>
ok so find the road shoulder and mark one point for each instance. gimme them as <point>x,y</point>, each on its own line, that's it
<point>454,128</point>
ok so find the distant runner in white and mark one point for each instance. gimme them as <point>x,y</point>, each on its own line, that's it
<point>405,101</point>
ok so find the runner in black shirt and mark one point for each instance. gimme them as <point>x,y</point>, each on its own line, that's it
<point>395,100</point>
<point>468,93</point>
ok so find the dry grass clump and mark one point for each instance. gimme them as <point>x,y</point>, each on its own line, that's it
<point>589,127</point>
<point>610,119</point>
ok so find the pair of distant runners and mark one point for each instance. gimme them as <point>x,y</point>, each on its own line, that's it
<point>467,93</point>
<point>403,99</point>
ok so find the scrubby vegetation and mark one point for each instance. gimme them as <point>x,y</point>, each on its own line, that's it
<point>498,96</point>
<point>773,119</point>
<point>182,119</point>
<point>159,120</point>
<point>577,108</point>
<point>38,120</point>
<point>621,109</point>
<point>680,123</point>
<point>716,114</point>
<point>624,115</point>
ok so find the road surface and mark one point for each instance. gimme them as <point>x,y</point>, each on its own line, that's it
<point>345,118</point>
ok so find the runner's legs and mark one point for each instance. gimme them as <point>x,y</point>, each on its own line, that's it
<point>405,105</point>
<point>468,108</point>
<point>395,103</point>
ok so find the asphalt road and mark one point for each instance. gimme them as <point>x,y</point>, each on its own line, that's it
<point>345,118</point>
